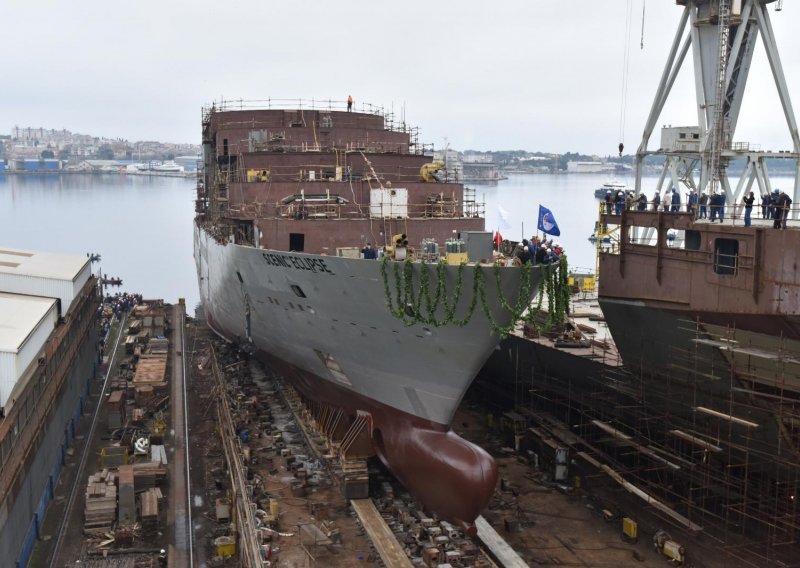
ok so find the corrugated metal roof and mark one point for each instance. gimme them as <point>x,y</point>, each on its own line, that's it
<point>21,315</point>
<point>41,264</point>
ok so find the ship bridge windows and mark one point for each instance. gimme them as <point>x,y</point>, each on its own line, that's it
<point>726,256</point>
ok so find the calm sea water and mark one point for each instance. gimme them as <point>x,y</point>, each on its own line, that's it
<point>142,226</point>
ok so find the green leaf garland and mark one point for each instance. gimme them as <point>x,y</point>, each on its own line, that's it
<point>421,306</point>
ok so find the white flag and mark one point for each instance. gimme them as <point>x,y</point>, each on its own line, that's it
<point>503,218</point>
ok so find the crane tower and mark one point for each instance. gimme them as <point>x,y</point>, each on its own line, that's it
<point>721,36</point>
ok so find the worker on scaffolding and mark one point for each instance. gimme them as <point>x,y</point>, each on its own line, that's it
<point>676,201</point>
<point>703,201</point>
<point>782,210</point>
<point>656,201</point>
<point>607,200</point>
<point>691,203</point>
<point>748,207</point>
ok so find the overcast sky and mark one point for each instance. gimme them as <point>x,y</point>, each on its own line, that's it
<point>533,75</point>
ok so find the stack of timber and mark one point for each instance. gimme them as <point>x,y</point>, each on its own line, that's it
<point>101,501</point>
<point>356,479</point>
<point>151,370</point>
<point>148,474</point>
<point>148,507</point>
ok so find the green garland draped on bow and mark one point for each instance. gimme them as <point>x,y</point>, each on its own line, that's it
<point>420,306</point>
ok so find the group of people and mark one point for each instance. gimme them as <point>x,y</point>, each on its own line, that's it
<point>773,206</point>
<point>538,251</point>
<point>120,303</point>
<point>776,206</point>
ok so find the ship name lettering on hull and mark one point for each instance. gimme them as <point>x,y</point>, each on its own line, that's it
<point>300,263</point>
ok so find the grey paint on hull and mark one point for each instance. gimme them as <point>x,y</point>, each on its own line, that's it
<point>421,370</point>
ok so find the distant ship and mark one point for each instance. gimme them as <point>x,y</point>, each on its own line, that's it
<point>169,166</point>
<point>291,205</point>
<point>612,187</point>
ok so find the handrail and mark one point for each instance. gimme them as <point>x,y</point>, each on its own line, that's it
<point>339,105</point>
<point>355,211</point>
<point>734,211</point>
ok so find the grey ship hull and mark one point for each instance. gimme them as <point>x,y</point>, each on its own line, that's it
<point>340,345</point>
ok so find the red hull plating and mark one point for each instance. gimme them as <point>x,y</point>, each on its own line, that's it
<point>452,477</point>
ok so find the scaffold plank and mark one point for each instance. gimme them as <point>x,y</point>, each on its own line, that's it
<point>382,537</point>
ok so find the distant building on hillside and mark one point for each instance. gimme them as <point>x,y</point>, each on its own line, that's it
<point>589,167</point>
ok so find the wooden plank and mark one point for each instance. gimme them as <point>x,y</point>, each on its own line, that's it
<point>382,537</point>
<point>499,548</point>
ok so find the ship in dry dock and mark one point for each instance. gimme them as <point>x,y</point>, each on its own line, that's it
<point>704,416</point>
<point>294,203</point>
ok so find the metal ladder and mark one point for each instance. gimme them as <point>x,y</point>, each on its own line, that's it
<point>719,130</point>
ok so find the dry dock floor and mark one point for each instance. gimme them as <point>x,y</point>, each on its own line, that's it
<point>551,524</point>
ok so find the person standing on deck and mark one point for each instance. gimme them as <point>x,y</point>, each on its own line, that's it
<point>691,203</point>
<point>764,203</point>
<point>714,202</point>
<point>369,252</point>
<point>782,210</point>
<point>703,202</point>
<point>748,208</point>
<point>772,211</point>
<point>349,103</point>
<point>607,200</point>
<point>656,201</point>
<point>676,201</point>
<point>619,203</point>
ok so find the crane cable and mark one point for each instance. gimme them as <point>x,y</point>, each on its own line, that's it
<point>625,68</point>
<point>641,40</point>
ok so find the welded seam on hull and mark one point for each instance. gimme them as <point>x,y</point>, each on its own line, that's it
<point>637,303</point>
<point>416,403</point>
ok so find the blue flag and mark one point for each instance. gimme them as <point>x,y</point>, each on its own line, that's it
<point>547,223</point>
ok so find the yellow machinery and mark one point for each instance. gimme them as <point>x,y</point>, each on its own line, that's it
<point>674,552</point>
<point>257,175</point>
<point>432,172</point>
<point>226,546</point>
<point>455,252</point>
<point>582,282</point>
<point>159,425</point>
<point>399,247</point>
<point>456,258</point>
<point>630,530</point>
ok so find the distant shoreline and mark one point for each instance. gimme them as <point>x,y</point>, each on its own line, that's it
<point>93,173</point>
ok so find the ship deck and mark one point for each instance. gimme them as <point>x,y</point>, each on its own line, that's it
<point>589,338</point>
